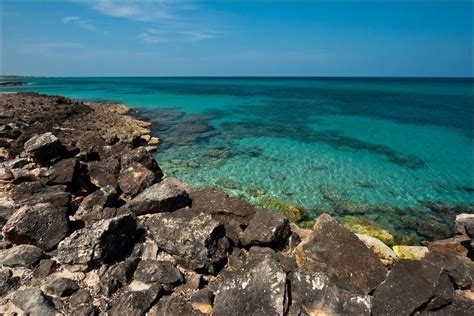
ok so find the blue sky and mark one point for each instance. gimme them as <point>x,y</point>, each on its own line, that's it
<point>237,38</point>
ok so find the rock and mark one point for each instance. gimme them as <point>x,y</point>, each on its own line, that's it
<point>84,310</point>
<point>21,256</point>
<point>142,156</point>
<point>104,242</point>
<point>359,225</point>
<point>233,213</point>
<point>293,212</point>
<point>15,163</point>
<point>42,225</point>
<point>31,193</point>
<point>104,173</point>
<point>44,147</point>
<point>341,255</point>
<point>196,241</point>
<point>7,281</point>
<point>135,178</point>
<point>82,296</point>
<point>171,306</point>
<point>45,268</point>
<point>258,288</point>
<point>381,250</point>
<point>166,196</point>
<point>314,293</point>
<point>202,301</point>
<point>161,272</point>
<point>266,229</point>
<point>458,272</point>
<point>410,252</point>
<point>412,286</point>
<point>458,245</point>
<point>22,175</point>
<point>64,171</point>
<point>135,302</point>
<point>465,224</point>
<point>33,302</point>
<point>97,201</point>
<point>117,276</point>
<point>432,229</point>
<point>59,286</point>
<point>5,174</point>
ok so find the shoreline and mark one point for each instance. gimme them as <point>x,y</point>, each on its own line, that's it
<point>130,241</point>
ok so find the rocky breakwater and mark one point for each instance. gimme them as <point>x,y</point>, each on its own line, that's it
<point>90,226</point>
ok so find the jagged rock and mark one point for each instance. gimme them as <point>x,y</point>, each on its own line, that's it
<point>166,196</point>
<point>5,174</point>
<point>117,276</point>
<point>21,256</point>
<point>15,163</point>
<point>135,302</point>
<point>42,225</point>
<point>233,213</point>
<point>82,296</point>
<point>7,281</point>
<point>412,286</point>
<point>258,288</point>
<point>97,201</point>
<point>266,229</point>
<point>45,268</point>
<point>33,302</point>
<point>103,242</point>
<point>135,178</point>
<point>314,293</point>
<point>381,250</point>
<point>171,306</point>
<point>458,245</point>
<point>196,240</point>
<point>64,171</point>
<point>410,252</point>
<point>84,310</point>
<point>22,175</point>
<point>202,301</point>
<point>31,193</point>
<point>44,147</point>
<point>458,272</point>
<point>161,272</point>
<point>465,224</point>
<point>59,286</point>
<point>142,156</point>
<point>339,253</point>
<point>104,173</point>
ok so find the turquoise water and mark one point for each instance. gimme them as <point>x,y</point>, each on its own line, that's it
<point>395,151</point>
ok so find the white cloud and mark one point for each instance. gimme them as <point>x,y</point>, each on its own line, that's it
<point>76,20</point>
<point>157,36</point>
<point>134,10</point>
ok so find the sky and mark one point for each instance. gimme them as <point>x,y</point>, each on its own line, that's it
<point>237,38</point>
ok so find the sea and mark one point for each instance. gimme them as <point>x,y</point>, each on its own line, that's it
<point>397,153</point>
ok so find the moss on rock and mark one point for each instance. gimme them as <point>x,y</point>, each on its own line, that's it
<point>364,226</point>
<point>293,212</point>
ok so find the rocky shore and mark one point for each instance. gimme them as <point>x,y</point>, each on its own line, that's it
<point>91,226</point>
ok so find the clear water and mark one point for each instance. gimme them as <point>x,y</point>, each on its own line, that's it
<point>382,148</point>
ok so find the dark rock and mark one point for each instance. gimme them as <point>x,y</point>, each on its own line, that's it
<point>432,230</point>
<point>135,178</point>
<point>266,229</point>
<point>32,193</point>
<point>161,272</point>
<point>59,286</point>
<point>465,224</point>
<point>171,306</point>
<point>458,245</point>
<point>84,310</point>
<point>336,251</point>
<point>104,242</point>
<point>33,302</point>
<point>197,241</point>
<point>64,171</point>
<point>45,268</point>
<point>44,147</point>
<point>459,307</point>
<point>104,173</point>
<point>258,288</point>
<point>166,196</point>
<point>97,201</point>
<point>7,281</point>
<point>118,275</point>
<point>458,272</point>
<point>22,175</point>
<point>106,213</point>
<point>82,296</point>
<point>15,163</point>
<point>412,286</point>
<point>233,213</point>
<point>142,156</point>
<point>42,225</point>
<point>21,256</point>
<point>5,174</point>
<point>136,302</point>
<point>202,301</point>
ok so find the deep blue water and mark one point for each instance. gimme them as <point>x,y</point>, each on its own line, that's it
<point>381,148</point>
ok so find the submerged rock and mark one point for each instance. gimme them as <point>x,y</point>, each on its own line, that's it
<point>339,253</point>
<point>166,196</point>
<point>42,225</point>
<point>293,212</point>
<point>361,225</point>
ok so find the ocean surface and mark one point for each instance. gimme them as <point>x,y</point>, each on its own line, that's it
<point>396,152</point>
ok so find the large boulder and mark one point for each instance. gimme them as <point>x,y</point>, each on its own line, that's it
<point>42,225</point>
<point>97,201</point>
<point>257,288</point>
<point>43,148</point>
<point>266,229</point>
<point>196,240</point>
<point>457,270</point>
<point>59,286</point>
<point>135,302</point>
<point>135,178</point>
<point>32,301</point>
<point>104,242</point>
<point>142,156</point>
<point>64,171</point>
<point>166,196</point>
<point>21,256</point>
<point>341,255</point>
<point>412,286</point>
<point>31,193</point>
<point>104,173</point>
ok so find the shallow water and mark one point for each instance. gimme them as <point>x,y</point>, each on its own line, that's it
<point>377,148</point>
